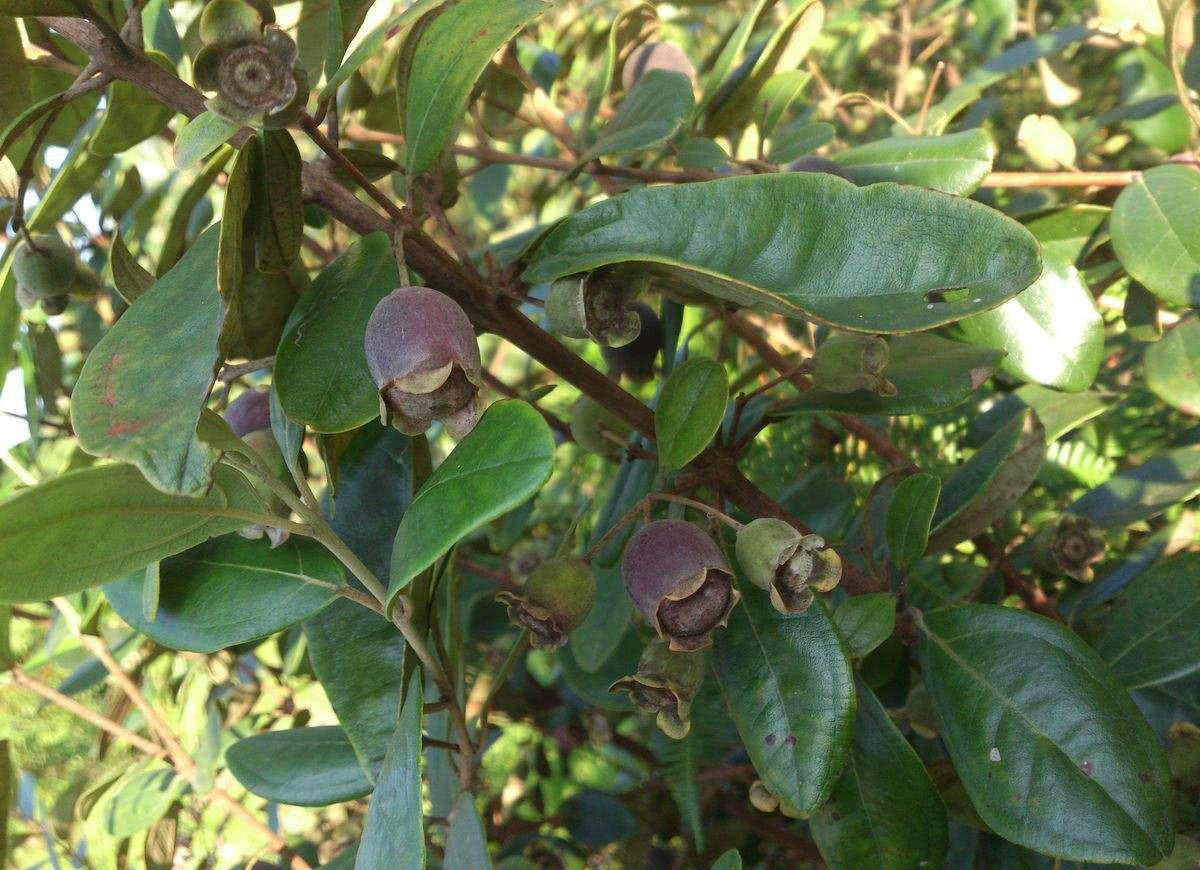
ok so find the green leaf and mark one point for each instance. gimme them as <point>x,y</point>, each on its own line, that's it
<point>1052,332</point>
<point>16,88</point>
<point>139,800</point>
<point>776,97</point>
<point>1155,228</point>
<point>450,55</point>
<point>866,621</point>
<point>1173,367</point>
<point>92,526</point>
<point>652,112</point>
<point>303,767</point>
<point>1140,313</point>
<point>1070,234</point>
<point>1143,491</point>
<point>393,836</point>
<point>885,813</point>
<point>690,410</point>
<point>731,860</point>
<point>200,137</point>
<point>1151,636</point>
<point>955,163</point>
<point>7,789</point>
<point>594,642</point>
<point>1054,755</point>
<point>321,371</point>
<point>238,192</point>
<point>909,515</point>
<point>229,591</point>
<point>990,482</point>
<point>807,245</point>
<point>504,460</point>
<point>392,29</point>
<point>129,276</point>
<point>142,388</point>
<point>289,434</point>
<point>41,7</point>
<point>131,114</point>
<point>930,373</point>
<point>466,844</point>
<point>278,203</point>
<point>789,687</point>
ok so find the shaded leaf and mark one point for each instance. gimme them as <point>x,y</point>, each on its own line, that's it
<point>866,621</point>
<point>689,411</point>
<point>1173,367</point>
<point>466,844</point>
<point>129,276</point>
<point>392,29</point>
<point>909,515</point>
<point>1155,228</point>
<point>200,137</point>
<point>139,800</point>
<point>278,202</point>
<point>652,112</point>
<point>806,245</point>
<point>1143,491</point>
<point>305,767</point>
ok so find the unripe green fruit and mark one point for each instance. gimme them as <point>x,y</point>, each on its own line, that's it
<point>555,601</point>
<point>229,21</point>
<point>790,566</point>
<point>665,684</point>
<point>592,306</point>
<point>850,361</point>
<point>47,268</point>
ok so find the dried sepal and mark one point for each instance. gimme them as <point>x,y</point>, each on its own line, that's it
<point>554,601</point>
<point>788,565</point>
<point>665,684</point>
<point>850,361</point>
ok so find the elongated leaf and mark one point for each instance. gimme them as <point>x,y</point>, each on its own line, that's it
<point>230,591</point>
<point>909,515</point>
<point>466,844</point>
<point>1052,752</point>
<point>393,837</point>
<point>1173,367</point>
<point>278,204</point>
<point>778,94</point>
<point>930,374</point>
<point>595,641</point>
<point>503,461</point>
<point>1143,491</point>
<point>885,813</point>
<point>651,113</point>
<point>807,245</point>
<point>321,372</point>
<point>60,537</point>
<point>1052,333</point>
<point>129,276</point>
<point>689,411</point>
<point>305,767</point>
<point>42,7</point>
<point>1156,232</point>
<point>450,55</point>
<point>141,390</point>
<point>16,89</point>
<point>200,137</point>
<point>139,800</point>
<point>955,163</point>
<point>1151,635</point>
<point>131,114</point>
<point>866,621</point>
<point>1060,413</point>
<point>238,189</point>
<point>990,482</point>
<point>788,685</point>
<point>392,29</point>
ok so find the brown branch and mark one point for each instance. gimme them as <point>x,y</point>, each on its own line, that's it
<point>1015,583</point>
<point>1118,178</point>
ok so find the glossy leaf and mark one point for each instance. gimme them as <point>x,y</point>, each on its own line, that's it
<point>1143,491</point>
<point>71,523</point>
<point>930,374</point>
<point>304,767</point>
<point>393,835</point>
<point>321,371</point>
<point>909,515</point>
<point>1060,413</point>
<point>143,386</point>
<point>1173,367</point>
<point>1151,635</point>
<point>990,482</point>
<point>689,411</point>
<point>466,844</point>
<point>392,29</point>
<point>505,459</point>
<point>806,245</point>
<point>651,112</point>
<point>1052,333</point>
<point>885,813</point>
<point>200,137</point>
<point>789,688</point>
<point>866,621</point>
<point>1052,752</point>
<point>449,57</point>
<point>954,163</point>
<point>229,591</point>
<point>131,114</point>
<point>1156,232</point>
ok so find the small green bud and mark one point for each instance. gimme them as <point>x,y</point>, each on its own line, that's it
<point>229,21</point>
<point>777,558</point>
<point>591,422</point>
<point>850,361</point>
<point>665,684</point>
<point>592,306</point>
<point>47,267</point>
<point>554,602</point>
<point>1071,546</point>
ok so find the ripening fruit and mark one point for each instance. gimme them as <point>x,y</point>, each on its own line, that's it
<point>249,412</point>
<point>777,558</point>
<point>47,267</point>
<point>665,684</point>
<point>813,163</point>
<point>55,304</point>
<point>635,360</point>
<point>422,352</point>
<point>656,55</point>
<point>680,581</point>
<point>554,601</point>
